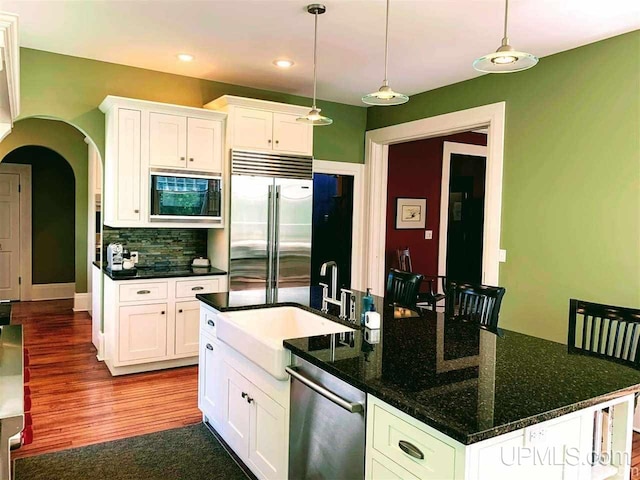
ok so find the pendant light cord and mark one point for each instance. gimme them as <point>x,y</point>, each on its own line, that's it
<point>315,56</point>
<point>505,39</point>
<point>386,47</point>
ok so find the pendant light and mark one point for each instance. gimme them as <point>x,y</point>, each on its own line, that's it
<point>385,95</point>
<point>506,59</point>
<point>314,117</point>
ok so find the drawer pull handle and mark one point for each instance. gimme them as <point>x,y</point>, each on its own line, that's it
<point>209,346</point>
<point>197,288</point>
<point>210,322</point>
<point>144,292</point>
<point>410,449</point>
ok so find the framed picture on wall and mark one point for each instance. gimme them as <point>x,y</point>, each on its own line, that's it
<point>411,213</point>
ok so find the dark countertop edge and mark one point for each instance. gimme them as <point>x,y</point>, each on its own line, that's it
<point>159,273</point>
<point>466,439</point>
<point>214,305</point>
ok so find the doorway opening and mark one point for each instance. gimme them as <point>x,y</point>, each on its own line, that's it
<point>52,221</point>
<point>332,225</point>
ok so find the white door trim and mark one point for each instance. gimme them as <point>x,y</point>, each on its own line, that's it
<point>448,149</point>
<point>373,223</point>
<point>356,170</point>
<point>24,171</point>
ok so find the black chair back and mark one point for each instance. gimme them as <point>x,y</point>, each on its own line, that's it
<point>403,287</point>
<point>604,331</point>
<point>404,259</point>
<point>476,303</point>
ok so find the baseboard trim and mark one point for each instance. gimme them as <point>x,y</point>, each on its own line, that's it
<point>100,354</point>
<point>81,302</point>
<point>52,291</point>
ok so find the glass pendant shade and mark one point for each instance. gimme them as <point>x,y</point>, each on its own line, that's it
<point>385,96</point>
<point>505,59</point>
<point>315,118</point>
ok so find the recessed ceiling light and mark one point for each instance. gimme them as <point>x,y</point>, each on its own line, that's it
<point>283,63</point>
<point>185,57</point>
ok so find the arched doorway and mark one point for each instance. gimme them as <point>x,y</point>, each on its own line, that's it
<point>53,222</point>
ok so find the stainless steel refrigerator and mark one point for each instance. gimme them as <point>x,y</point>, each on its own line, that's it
<point>270,227</point>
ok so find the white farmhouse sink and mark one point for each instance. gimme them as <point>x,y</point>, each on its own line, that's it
<point>258,334</point>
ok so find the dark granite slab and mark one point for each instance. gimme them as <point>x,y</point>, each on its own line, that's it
<point>467,383</point>
<point>5,313</point>
<point>148,273</point>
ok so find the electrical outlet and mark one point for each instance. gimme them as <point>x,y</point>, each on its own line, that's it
<point>428,234</point>
<point>134,257</point>
<point>502,256</point>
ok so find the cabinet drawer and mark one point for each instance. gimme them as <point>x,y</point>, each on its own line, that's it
<point>391,434</point>
<point>208,321</point>
<point>130,292</point>
<point>190,288</point>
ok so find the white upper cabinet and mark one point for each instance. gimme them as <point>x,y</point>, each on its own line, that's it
<point>167,140</point>
<point>204,145</point>
<point>252,129</point>
<point>141,136</point>
<point>267,126</point>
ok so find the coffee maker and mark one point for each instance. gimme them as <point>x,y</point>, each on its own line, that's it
<point>115,257</point>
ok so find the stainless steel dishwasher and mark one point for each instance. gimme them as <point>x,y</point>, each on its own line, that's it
<point>327,426</point>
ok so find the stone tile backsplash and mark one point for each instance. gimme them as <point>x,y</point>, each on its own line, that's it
<point>170,247</point>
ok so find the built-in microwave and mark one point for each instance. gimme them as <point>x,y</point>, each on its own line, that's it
<point>180,196</point>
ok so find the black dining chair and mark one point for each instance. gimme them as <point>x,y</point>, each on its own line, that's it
<point>604,331</point>
<point>475,303</point>
<point>432,296</point>
<point>402,288</point>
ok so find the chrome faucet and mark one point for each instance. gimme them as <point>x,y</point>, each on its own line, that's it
<point>346,301</point>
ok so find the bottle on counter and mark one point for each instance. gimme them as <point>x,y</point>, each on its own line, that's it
<point>367,305</point>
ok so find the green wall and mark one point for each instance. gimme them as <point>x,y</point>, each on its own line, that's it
<point>52,214</point>
<point>68,142</point>
<point>571,188</point>
<point>71,88</point>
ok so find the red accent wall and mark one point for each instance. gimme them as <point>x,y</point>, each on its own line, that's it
<point>415,171</point>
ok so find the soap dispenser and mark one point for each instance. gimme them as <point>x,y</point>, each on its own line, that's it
<point>367,304</point>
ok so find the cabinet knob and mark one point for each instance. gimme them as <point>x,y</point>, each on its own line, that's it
<point>277,142</point>
<point>244,395</point>
<point>180,311</point>
<point>269,141</point>
<point>182,159</point>
<point>162,312</point>
<point>209,346</point>
<point>191,159</point>
<point>210,322</point>
<point>249,399</point>
<point>136,211</point>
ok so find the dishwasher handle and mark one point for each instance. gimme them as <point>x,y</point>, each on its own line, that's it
<point>352,407</point>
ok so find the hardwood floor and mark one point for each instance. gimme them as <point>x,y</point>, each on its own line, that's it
<point>635,457</point>
<point>75,399</point>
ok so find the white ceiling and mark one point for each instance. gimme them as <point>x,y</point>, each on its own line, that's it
<point>433,42</point>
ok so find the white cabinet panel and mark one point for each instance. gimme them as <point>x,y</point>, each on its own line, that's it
<point>127,160</point>
<point>236,413</point>
<point>204,145</point>
<point>187,327</point>
<point>190,288</point>
<point>252,128</point>
<point>381,468</point>
<point>267,439</point>
<point>143,332</point>
<point>137,292</point>
<point>167,140</point>
<point>289,135</point>
<point>208,320</point>
<point>210,380</point>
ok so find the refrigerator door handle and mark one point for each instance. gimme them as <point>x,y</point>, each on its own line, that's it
<point>270,246</point>
<point>276,242</point>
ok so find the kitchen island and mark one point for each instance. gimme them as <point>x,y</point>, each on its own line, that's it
<point>475,405</point>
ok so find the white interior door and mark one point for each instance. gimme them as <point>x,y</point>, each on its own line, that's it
<point>9,236</point>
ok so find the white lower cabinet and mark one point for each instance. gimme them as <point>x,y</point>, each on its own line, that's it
<point>187,327</point>
<point>154,324</point>
<point>210,380</point>
<point>142,332</point>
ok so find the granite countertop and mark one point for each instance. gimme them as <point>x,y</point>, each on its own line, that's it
<point>465,382</point>
<point>5,313</point>
<point>11,371</point>
<point>160,271</point>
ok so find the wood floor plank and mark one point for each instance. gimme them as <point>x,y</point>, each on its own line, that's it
<point>76,401</point>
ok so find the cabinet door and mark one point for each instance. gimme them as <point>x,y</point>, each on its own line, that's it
<point>268,442</point>
<point>252,128</point>
<point>210,381</point>
<point>236,411</point>
<point>187,327</point>
<point>289,135</point>
<point>142,332</point>
<point>167,140</point>
<point>204,145</point>
<point>128,166</point>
